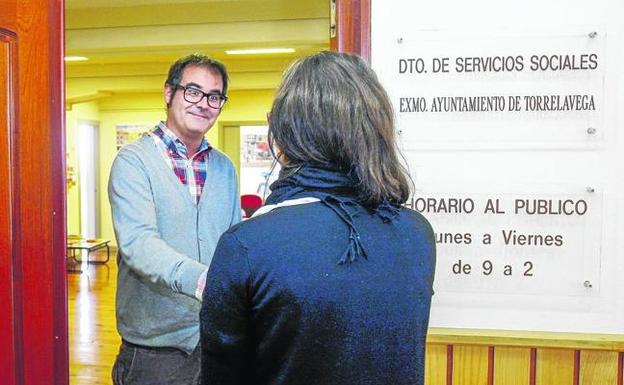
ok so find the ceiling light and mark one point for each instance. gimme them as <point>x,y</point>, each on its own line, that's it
<point>258,51</point>
<point>76,58</point>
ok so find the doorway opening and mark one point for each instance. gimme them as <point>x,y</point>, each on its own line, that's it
<point>87,148</point>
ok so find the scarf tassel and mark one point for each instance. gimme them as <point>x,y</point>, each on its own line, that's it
<point>354,248</point>
<point>387,211</point>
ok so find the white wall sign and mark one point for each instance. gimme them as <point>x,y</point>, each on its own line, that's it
<point>535,244</point>
<point>510,117</point>
<point>502,90</point>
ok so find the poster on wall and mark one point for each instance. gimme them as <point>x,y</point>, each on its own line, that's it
<point>257,170</point>
<point>128,133</point>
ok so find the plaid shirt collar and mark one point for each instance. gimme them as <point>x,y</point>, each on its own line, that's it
<point>175,145</point>
<point>191,172</point>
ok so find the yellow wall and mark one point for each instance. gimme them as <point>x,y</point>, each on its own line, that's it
<point>229,140</point>
<point>243,108</point>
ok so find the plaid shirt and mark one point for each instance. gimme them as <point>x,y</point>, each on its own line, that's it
<point>191,172</point>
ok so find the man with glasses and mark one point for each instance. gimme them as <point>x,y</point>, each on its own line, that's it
<point>172,195</point>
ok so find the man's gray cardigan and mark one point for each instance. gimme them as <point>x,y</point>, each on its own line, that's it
<point>165,242</point>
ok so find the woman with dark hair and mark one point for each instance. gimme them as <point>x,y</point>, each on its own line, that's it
<point>331,281</point>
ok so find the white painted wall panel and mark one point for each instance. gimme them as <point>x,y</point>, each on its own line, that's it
<point>545,176</point>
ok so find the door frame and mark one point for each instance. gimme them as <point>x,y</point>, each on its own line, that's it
<point>351,22</point>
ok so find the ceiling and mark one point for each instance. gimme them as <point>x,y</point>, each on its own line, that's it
<point>130,44</point>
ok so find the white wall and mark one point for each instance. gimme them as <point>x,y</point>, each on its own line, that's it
<point>500,157</point>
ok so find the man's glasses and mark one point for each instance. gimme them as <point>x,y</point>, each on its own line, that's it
<point>193,95</point>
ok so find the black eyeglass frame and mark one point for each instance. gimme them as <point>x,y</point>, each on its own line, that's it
<point>221,98</point>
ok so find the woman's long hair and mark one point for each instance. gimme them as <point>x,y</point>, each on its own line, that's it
<point>331,111</point>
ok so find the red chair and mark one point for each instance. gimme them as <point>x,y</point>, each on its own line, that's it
<point>250,203</point>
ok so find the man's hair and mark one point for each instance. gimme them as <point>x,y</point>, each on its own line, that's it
<point>330,110</point>
<point>196,60</point>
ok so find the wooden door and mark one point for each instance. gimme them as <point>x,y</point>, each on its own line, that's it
<point>351,27</point>
<point>33,305</point>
